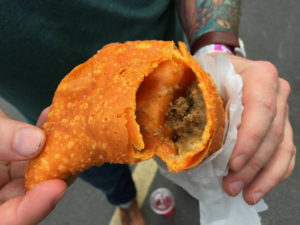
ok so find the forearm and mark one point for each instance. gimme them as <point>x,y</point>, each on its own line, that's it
<point>199,17</point>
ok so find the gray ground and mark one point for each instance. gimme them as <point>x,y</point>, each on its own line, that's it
<point>271,32</point>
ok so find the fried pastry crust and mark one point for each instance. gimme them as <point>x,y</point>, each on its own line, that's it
<point>112,108</point>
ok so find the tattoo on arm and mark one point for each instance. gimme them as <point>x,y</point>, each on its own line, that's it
<point>201,16</point>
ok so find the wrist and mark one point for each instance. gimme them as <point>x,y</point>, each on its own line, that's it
<point>217,41</point>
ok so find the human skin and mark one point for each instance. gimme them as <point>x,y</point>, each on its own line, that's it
<point>18,143</point>
<point>264,154</point>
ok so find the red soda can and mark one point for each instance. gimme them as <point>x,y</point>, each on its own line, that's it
<point>162,202</point>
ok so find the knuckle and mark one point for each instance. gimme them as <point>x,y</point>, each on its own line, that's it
<point>256,165</point>
<point>270,105</point>
<point>256,138</point>
<point>290,170</point>
<point>269,69</point>
<point>278,133</point>
<point>292,149</point>
<point>286,86</point>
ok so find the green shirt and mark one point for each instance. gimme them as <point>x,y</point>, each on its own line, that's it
<point>41,41</point>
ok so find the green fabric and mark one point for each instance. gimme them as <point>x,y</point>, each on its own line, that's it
<point>41,41</point>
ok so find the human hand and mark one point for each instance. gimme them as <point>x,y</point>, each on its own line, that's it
<point>18,143</point>
<point>264,154</point>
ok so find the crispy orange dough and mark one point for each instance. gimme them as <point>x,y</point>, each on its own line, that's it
<point>112,109</point>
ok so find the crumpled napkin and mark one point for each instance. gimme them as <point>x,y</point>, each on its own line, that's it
<point>204,182</point>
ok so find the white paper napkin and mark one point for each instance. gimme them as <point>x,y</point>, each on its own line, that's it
<point>204,182</point>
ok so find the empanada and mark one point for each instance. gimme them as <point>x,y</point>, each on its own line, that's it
<point>126,104</point>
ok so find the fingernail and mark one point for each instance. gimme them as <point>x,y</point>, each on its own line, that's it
<point>257,197</point>
<point>28,141</point>
<point>239,162</point>
<point>236,186</point>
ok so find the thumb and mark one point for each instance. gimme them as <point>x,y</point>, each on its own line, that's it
<point>19,140</point>
<point>34,206</point>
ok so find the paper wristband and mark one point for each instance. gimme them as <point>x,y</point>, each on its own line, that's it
<point>214,48</point>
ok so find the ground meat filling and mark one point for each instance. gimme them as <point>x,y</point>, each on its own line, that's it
<point>186,116</point>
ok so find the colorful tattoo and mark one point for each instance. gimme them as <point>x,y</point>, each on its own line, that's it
<point>201,16</point>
